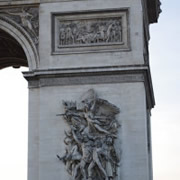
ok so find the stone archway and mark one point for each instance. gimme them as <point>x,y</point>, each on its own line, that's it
<point>22,41</point>
<point>16,49</point>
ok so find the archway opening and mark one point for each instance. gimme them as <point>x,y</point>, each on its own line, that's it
<point>11,52</point>
<point>14,109</point>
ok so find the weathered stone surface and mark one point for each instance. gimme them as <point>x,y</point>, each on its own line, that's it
<point>47,129</point>
<point>77,46</point>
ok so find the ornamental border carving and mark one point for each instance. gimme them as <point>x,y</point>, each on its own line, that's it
<point>90,31</point>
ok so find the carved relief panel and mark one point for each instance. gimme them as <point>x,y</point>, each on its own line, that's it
<point>90,141</point>
<point>78,32</point>
<point>27,18</point>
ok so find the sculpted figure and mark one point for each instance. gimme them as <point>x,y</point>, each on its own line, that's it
<point>86,38</point>
<point>118,31</point>
<point>93,124</point>
<point>86,147</point>
<point>111,158</point>
<point>100,36</point>
<point>90,152</point>
<point>25,19</point>
<point>62,37</point>
<point>72,155</point>
<point>69,36</point>
<point>97,152</point>
<point>111,33</point>
<point>28,22</point>
<point>101,122</point>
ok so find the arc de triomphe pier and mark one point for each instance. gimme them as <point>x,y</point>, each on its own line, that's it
<point>90,88</point>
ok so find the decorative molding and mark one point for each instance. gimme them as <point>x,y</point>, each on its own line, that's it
<point>87,76</point>
<point>78,76</point>
<point>18,2</point>
<point>98,75</point>
<point>27,18</point>
<point>90,151</point>
<point>86,31</point>
<point>65,81</point>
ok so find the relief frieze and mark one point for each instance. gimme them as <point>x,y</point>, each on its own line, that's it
<point>90,31</point>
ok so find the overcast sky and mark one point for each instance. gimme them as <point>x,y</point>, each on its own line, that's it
<point>165,68</point>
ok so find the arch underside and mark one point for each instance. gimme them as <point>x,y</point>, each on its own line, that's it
<point>18,48</point>
<point>11,52</point>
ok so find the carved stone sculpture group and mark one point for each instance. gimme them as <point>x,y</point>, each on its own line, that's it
<point>90,151</point>
<point>28,18</point>
<point>90,32</point>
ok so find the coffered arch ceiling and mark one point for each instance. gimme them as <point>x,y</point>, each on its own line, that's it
<point>11,52</point>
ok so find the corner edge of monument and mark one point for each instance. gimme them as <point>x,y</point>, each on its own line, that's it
<point>154,10</point>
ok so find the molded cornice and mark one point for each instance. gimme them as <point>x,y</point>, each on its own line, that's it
<point>92,75</point>
<point>153,10</point>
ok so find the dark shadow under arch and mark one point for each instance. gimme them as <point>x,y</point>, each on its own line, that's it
<point>11,52</point>
<point>24,40</point>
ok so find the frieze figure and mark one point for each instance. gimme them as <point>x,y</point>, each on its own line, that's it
<point>90,152</point>
<point>62,37</point>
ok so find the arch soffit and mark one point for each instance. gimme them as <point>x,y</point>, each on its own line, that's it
<point>23,39</point>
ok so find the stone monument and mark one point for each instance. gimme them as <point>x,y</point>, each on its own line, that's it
<point>90,88</point>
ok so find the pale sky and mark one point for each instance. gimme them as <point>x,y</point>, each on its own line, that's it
<point>165,69</point>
